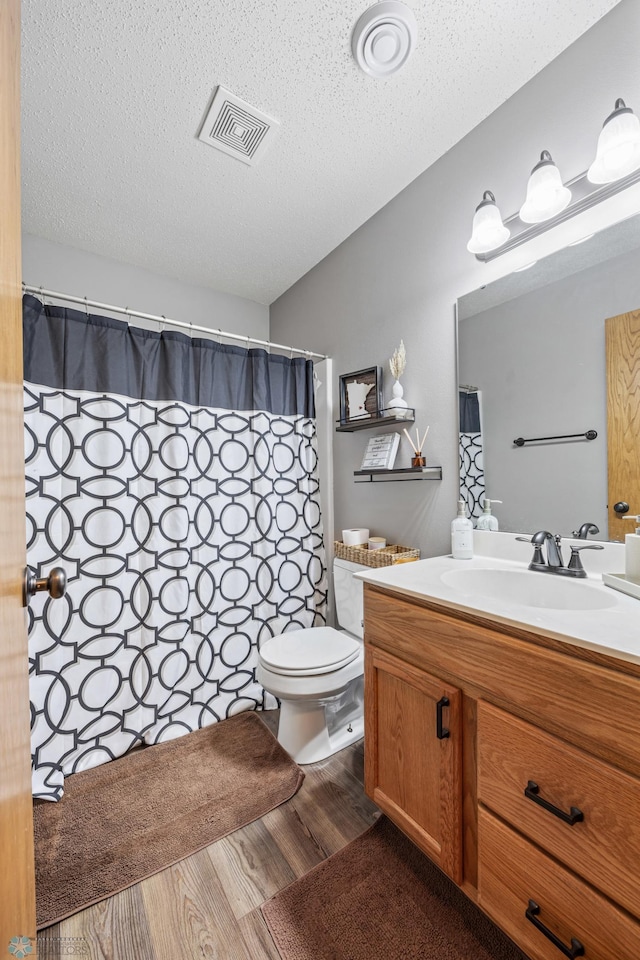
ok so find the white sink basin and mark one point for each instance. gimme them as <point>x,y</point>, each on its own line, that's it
<point>529,589</point>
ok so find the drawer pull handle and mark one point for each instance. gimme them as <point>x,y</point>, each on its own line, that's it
<point>532,791</point>
<point>441,732</point>
<point>575,950</point>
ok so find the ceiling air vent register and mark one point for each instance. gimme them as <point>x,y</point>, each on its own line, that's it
<point>235,127</point>
<point>383,38</point>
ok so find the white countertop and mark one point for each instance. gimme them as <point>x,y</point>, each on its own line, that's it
<point>614,630</point>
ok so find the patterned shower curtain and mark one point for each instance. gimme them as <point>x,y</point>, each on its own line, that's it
<point>175,480</point>
<point>472,484</point>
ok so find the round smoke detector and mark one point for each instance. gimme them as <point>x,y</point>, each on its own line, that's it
<point>383,38</point>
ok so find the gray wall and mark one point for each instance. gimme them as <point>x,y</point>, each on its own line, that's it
<point>539,360</point>
<point>400,274</point>
<point>66,269</point>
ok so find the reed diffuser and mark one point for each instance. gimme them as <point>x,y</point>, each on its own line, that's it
<point>417,460</point>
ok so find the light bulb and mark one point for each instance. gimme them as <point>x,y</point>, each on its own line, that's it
<point>546,194</point>
<point>618,152</point>
<point>488,232</point>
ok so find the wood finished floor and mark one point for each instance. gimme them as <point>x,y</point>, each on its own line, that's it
<point>208,905</point>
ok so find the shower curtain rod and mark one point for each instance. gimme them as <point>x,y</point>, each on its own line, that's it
<point>54,295</point>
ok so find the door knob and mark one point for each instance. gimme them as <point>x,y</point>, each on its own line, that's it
<point>55,584</point>
<point>621,507</point>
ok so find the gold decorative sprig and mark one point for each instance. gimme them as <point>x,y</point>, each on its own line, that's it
<point>398,361</point>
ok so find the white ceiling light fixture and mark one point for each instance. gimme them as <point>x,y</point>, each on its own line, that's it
<point>546,194</point>
<point>618,152</point>
<point>384,37</point>
<point>488,231</point>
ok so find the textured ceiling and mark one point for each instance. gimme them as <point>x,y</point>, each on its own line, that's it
<point>114,94</point>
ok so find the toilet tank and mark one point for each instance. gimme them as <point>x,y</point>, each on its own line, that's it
<point>349,596</point>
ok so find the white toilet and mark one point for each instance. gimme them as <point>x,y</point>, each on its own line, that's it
<point>318,676</point>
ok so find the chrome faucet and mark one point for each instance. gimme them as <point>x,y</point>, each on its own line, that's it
<point>554,562</point>
<point>554,549</point>
<point>585,530</point>
<point>554,554</point>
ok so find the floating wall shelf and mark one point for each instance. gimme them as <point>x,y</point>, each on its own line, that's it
<point>405,473</point>
<point>384,418</point>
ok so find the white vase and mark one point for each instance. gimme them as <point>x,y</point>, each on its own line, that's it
<point>397,400</point>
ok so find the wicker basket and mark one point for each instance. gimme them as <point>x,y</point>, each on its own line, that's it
<point>374,558</point>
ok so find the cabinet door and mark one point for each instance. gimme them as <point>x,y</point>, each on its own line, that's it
<point>413,755</point>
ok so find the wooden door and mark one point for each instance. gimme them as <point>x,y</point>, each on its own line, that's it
<point>622,335</point>
<point>17,896</point>
<point>413,755</point>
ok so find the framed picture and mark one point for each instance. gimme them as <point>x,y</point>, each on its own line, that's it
<point>361,394</point>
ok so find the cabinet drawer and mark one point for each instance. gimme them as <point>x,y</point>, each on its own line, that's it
<point>594,707</point>
<point>603,846</point>
<point>515,877</point>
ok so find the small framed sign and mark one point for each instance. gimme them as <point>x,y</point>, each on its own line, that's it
<point>361,394</point>
<point>380,453</point>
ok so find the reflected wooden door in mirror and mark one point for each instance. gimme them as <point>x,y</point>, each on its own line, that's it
<point>623,418</point>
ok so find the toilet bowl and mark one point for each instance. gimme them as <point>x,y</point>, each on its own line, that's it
<point>317,674</point>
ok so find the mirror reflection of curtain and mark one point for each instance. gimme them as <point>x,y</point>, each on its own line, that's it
<point>472,485</point>
<point>176,480</point>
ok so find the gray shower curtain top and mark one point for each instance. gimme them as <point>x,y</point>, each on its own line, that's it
<point>176,481</point>
<point>469,412</point>
<point>70,350</point>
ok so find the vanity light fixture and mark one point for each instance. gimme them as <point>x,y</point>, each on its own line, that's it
<point>488,230</point>
<point>618,152</point>
<point>550,203</point>
<point>546,194</point>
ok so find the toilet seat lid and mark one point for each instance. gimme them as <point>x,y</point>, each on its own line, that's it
<point>316,650</point>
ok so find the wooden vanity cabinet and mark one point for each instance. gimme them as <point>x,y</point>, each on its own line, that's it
<point>532,804</point>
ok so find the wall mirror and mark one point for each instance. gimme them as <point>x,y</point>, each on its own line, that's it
<point>532,364</point>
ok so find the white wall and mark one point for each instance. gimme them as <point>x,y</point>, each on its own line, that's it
<point>400,274</point>
<point>66,269</point>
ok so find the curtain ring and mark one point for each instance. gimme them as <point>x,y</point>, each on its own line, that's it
<point>86,306</point>
<point>161,323</point>
<point>220,335</point>
<point>290,353</point>
<point>126,311</point>
<point>42,296</point>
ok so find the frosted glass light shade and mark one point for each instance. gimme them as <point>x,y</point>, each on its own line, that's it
<point>618,152</point>
<point>546,194</point>
<point>488,232</point>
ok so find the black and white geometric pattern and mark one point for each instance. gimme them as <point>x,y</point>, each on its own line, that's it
<point>190,535</point>
<point>472,485</point>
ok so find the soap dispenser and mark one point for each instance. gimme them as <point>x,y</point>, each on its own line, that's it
<point>462,535</point>
<point>486,520</point>
<point>632,552</point>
